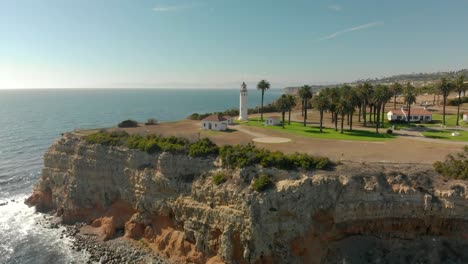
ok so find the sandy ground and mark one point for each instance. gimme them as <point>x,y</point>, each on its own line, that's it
<point>399,150</point>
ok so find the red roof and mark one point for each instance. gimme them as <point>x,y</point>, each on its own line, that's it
<point>416,111</point>
<point>214,118</point>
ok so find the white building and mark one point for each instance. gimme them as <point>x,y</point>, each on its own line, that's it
<point>243,107</point>
<point>465,117</point>
<point>272,121</point>
<point>214,122</point>
<point>417,115</point>
<point>229,119</point>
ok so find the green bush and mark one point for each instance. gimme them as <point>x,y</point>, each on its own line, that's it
<point>240,156</point>
<point>128,123</point>
<point>219,178</point>
<point>454,166</point>
<point>262,183</point>
<point>151,122</point>
<point>203,148</point>
<point>109,139</point>
<point>454,101</point>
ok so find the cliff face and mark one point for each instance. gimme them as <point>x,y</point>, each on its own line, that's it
<point>358,212</point>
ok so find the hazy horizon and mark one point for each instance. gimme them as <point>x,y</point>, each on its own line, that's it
<point>219,44</point>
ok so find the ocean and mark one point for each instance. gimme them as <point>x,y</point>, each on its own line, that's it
<point>30,121</point>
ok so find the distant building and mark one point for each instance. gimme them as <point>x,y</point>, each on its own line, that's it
<point>417,115</point>
<point>465,117</point>
<point>272,121</point>
<point>243,106</point>
<point>214,122</point>
<point>229,119</point>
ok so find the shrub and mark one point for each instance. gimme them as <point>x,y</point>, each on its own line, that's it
<point>454,166</point>
<point>389,131</point>
<point>454,101</point>
<point>262,183</point>
<point>128,123</point>
<point>117,138</point>
<point>219,178</point>
<point>151,122</point>
<point>203,148</point>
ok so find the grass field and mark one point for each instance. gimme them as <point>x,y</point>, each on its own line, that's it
<point>314,131</point>
<point>447,134</point>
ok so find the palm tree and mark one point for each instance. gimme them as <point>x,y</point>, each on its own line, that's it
<point>410,98</point>
<point>444,87</point>
<point>333,97</point>
<point>262,85</point>
<point>365,90</point>
<point>396,89</point>
<point>282,104</point>
<point>460,87</point>
<point>292,104</point>
<point>342,109</point>
<point>305,93</point>
<point>321,103</point>
<point>379,97</point>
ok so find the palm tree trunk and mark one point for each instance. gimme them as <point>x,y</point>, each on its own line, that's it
<point>348,119</point>
<point>359,115</point>
<point>409,114</point>
<point>302,108</point>
<point>289,118</point>
<point>305,116</point>
<point>383,116</point>
<point>261,112</point>
<point>458,107</point>
<point>342,123</point>
<point>394,102</point>
<point>321,120</point>
<point>378,118</point>
<point>433,100</point>
<point>364,113</point>
<point>283,113</point>
<point>336,121</point>
<point>443,112</point>
<point>351,121</point>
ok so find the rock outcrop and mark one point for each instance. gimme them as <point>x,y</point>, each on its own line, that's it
<point>358,212</point>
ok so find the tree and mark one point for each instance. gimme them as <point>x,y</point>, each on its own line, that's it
<point>410,98</point>
<point>283,105</point>
<point>396,89</point>
<point>321,103</point>
<point>333,95</point>
<point>292,104</point>
<point>342,109</point>
<point>365,90</point>
<point>262,85</point>
<point>380,96</point>
<point>460,87</point>
<point>305,93</point>
<point>444,87</point>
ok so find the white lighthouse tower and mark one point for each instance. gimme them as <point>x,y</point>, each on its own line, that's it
<point>243,107</point>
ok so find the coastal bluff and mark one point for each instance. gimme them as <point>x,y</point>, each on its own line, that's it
<point>356,212</point>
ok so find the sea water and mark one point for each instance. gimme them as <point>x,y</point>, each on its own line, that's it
<point>30,120</point>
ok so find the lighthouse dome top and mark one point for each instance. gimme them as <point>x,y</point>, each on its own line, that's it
<point>244,87</point>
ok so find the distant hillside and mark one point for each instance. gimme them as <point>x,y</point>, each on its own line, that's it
<point>417,79</point>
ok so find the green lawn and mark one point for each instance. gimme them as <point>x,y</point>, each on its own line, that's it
<point>314,131</point>
<point>450,120</point>
<point>447,134</point>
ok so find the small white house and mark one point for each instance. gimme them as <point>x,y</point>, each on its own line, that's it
<point>229,119</point>
<point>417,115</point>
<point>272,121</point>
<point>465,117</point>
<point>214,122</point>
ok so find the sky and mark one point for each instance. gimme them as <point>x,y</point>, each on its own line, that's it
<point>221,43</point>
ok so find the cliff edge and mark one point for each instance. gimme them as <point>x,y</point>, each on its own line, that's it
<point>356,213</point>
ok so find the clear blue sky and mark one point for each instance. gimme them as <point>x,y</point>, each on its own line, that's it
<point>220,43</point>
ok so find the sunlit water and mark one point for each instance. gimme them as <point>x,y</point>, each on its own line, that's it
<point>30,120</point>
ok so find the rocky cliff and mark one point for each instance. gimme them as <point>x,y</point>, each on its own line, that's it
<point>356,213</point>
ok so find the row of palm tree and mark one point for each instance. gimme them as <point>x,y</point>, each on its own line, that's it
<point>344,101</point>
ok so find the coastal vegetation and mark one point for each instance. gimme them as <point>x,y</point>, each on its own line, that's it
<point>128,123</point>
<point>151,122</point>
<point>237,156</point>
<point>262,183</point>
<point>454,166</point>
<point>219,178</point>
<point>269,108</point>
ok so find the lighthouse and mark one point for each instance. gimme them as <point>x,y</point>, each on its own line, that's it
<point>243,107</point>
